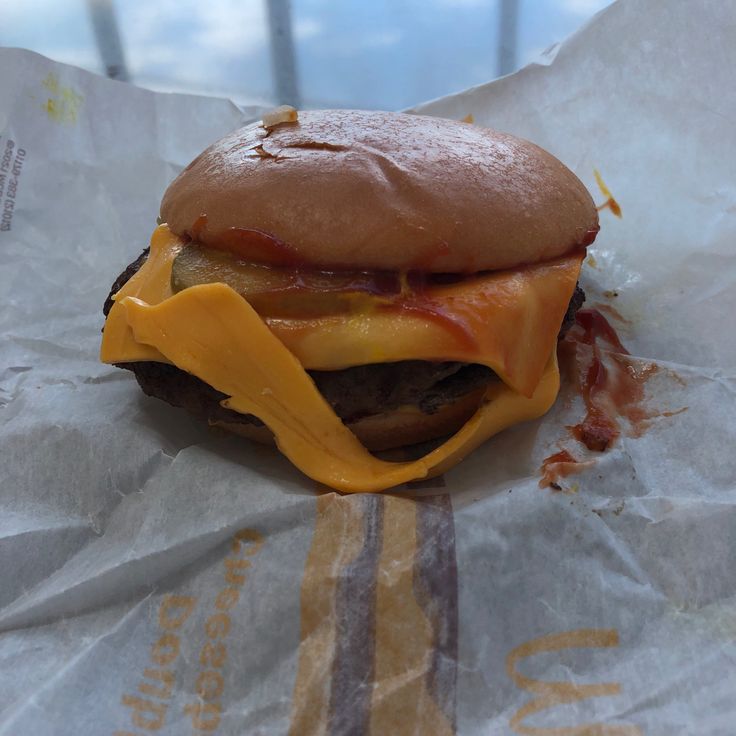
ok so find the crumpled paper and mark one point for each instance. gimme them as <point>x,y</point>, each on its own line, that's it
<point>161,577</point>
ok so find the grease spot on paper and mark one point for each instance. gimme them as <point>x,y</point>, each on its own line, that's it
<point>63,103</point>
<point>610,202</point>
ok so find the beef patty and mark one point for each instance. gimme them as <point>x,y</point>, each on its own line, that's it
<point>353,393</point>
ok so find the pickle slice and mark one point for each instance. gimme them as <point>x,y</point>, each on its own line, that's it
<point>196,265</point>
<point>282,292</point>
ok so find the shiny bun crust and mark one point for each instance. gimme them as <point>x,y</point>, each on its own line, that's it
<point>386,431</point>
<point>379,190</point>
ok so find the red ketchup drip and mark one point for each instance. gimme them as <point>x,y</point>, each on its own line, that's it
<point>597,326</point>
<point>257,246</point>
<point>613,312</point>
<point>612,205</point>
<point>419,302</point>
<point>432,311</point>
<point>198,227</point>
<point>557,466</point>
<point>612,386</point>
<point>250,244</point>
<point>427,261</point>
<point>590,235</point>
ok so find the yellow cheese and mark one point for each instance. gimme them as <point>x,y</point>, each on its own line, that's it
<point>152,284</point>
<point>213,333</point>
<point>506,320</point>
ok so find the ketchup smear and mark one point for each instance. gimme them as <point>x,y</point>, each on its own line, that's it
<point>590,236</point>
<point>557,466</point>
<point>258,246</point>
<point>433,311</point>
<point>261,247</point>
<point>610,204</point>
<point>612,385</point>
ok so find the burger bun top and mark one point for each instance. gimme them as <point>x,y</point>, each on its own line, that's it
<point>377,190</point>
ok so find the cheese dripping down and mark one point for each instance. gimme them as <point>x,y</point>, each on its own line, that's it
<point>214,333</point>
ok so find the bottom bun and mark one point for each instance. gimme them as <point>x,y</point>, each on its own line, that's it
<point>406,425</point>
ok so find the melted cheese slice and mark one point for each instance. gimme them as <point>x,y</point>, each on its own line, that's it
<point>213,333</point>
<point>224,342</point>
<point>506,320</point>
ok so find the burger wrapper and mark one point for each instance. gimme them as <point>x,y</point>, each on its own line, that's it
<point>158,577</point>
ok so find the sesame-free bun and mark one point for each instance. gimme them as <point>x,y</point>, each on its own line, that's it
<point>406,425</point>
<point>379,190</point>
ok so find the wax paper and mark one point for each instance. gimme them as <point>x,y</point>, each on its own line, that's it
<point>160,577</point>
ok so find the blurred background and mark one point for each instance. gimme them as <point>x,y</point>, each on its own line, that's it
<point>386,54</point>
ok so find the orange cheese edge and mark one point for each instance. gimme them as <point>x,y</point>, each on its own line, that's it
<point>513,318</point>
<point>224,342</point>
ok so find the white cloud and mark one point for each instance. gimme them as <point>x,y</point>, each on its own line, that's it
<point>184,43</point>
<point>219,28</point>
<point>307,28</point>
<point>142,57</point>
<point>380,39</point>
<point>348,46</point>
<point>49,10</point>
<point>462,3</point>
<point>584,7</point>
<point>232,27</point>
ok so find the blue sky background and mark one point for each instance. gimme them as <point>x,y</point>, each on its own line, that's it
<point>350,53</point>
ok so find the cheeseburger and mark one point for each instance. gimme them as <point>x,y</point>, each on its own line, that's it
<point>346,282</point>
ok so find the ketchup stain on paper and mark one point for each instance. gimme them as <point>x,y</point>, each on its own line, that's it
<point>611,383</point>
<point>558,466</point>
<point>594,360</point>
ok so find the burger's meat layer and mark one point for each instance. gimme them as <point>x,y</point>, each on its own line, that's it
<point>353,392</point>
<point>576,302</point>
<point>123,279</point>
<point>182,389</point>
<point>369,389</point>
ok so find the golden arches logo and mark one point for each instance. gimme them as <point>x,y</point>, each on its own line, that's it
<point>550,694</point>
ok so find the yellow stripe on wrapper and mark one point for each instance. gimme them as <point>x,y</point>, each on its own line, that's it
<point>379,626</point>
<point>213,333</point>
<point>339,537</point>
<point>401,703</point>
